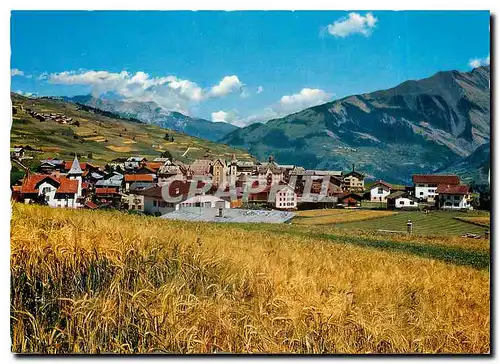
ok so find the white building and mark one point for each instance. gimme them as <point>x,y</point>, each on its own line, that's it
<point>379,191</point>
<point>454,197</point>
<point>204,201</point>
<point>51,190</point>
<point>426,184</point>
<point>155,204</point>
<point>133,163</point>
<point>55,190</point>
<point>286,198</point>
<point>401,200</point>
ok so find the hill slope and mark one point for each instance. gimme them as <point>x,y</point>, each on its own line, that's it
<point>104,137</point>
<point>475,167</point>
<point>418,126</point>
<point>152,113</point>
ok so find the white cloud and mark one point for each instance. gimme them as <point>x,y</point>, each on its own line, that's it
<point>224,116</point>
<point>260,89</point>
<point>27,94</point>
<point>229,84</point>
<point>352,24</point>
<point>170,92</point>
<point>307,97</point>
<point>477,62</point>
<point>16,72</point>
<point>288,104</point>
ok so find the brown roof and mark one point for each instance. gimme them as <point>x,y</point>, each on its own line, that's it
<point>175,189</point>
<point>138,178</point>
<point>154,191</point>
<point>355,174</point>
<point>453,190</point>
<point>201,167</point>
<point>154,165</point>
<point>68,186</point>
<point>436,179</point>
<point>105,191</point>
<point>91,205</point>
<point>380,182</point>
<point>63,184</point>
<point>350,196</point>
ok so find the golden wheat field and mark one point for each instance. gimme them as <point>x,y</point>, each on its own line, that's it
<point>478,220</point>
<point>98,282</point>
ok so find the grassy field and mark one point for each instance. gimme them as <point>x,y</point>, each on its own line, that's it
<point>105,138</point>
<point>373,204</point>
<point>95,281</point>
<point>435,223</point>
<point>335,216</point>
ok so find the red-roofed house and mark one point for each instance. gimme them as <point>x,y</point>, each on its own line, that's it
<point>454,197</point>
<point>350,200</point>
<point>379,191</point>
<point>131,178</point>
<point>427,184</point>
<point>153,166</point>
<point>51,190</point>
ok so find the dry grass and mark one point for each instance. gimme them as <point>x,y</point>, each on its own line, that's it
<point>477,220</point>
<point>93,282</point>
<point>98,139</point>
<point>50,149</point>
<point>333,216</point>
<point>122,149</point>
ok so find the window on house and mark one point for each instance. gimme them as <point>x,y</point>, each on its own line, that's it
<point>380,190</point>
<point>412,203</point>
<point>139,207</point>
<point>456,204</point>
<point>421,193</point>
<point>401,202</point>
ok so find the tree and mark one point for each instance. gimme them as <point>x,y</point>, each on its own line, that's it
<point>167,154</point>
<point>167,136</point>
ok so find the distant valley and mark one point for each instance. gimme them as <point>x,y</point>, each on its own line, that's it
<point>152,113</point>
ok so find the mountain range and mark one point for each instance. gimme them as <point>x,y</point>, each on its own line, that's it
<point>419,126</point>
<point>151,113</point>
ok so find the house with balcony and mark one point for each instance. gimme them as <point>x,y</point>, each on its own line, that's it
<point>452,197</point>
<point>426,185</point>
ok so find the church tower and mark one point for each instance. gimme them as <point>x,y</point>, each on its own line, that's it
<point>233,170</point>
<point>76,172</point>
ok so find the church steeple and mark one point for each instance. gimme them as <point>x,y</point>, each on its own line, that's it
<point>75,168</point>
<point>76,173</point>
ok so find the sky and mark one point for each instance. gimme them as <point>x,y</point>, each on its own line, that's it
<point>238,67</point>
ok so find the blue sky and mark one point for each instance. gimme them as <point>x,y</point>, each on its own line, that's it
<point>238,67</point>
